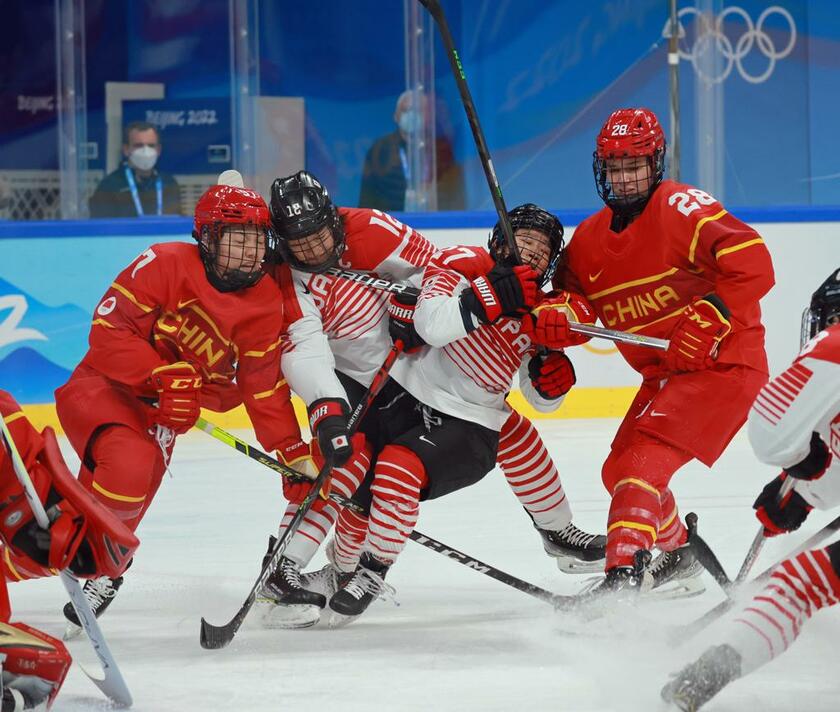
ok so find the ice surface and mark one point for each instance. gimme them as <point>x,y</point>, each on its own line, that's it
<point>458,641</point>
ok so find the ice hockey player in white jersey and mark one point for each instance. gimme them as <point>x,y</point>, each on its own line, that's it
<point>440,430</point>
<point>794,424</point>
<point>345,325</point>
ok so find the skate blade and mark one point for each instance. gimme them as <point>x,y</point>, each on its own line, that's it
<point>72,631</point>
<point>293,617</point>
<point>334,619</point>
<point>679,588</point>
<point>571,565</point>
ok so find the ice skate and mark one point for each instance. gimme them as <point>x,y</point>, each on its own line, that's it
<point>99,593</point>
<point>677,574</point>
<point>286,603</point>
<point>694,685</point>
<point>357,592</point>
<point>575,551</point>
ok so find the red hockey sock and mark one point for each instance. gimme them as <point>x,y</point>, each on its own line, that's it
<point>672,532</point>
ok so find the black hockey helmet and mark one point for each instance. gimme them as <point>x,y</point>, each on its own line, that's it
<point>301,210</point>
<point>824,308</point>
<point>529,217</point>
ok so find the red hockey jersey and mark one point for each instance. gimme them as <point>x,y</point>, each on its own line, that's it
<point>684,245</point>
<point>162,309</point>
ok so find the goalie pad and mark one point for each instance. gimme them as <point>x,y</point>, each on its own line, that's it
<point>35,664</point>
<point>83,536</point>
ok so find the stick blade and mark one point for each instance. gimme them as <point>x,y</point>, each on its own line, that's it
<point>214,637</point>
<point>112,686</point>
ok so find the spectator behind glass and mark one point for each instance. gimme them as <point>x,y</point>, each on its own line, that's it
<point>136,188</point>
<point>385,172</point>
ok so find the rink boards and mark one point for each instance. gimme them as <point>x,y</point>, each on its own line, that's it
<point>52,275</point>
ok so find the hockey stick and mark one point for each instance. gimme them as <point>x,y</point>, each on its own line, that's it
<point>212,636</point>
<point>705,555</point>
<point>682,633</point>
<point>112,684</point>
<point>427,541</point>
<point>758,542</point>
<point>386,285</point>
<point>436,11</point>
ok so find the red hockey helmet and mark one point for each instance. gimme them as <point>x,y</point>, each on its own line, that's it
<point>624,182</point>
<point>231,259</point>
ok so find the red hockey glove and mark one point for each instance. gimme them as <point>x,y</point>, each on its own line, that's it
<point>178,385</point>
<point>503,291</point>
<point>699,330</point>
<point>401,321</point>
<point>548,323</point>
<point>780,517</point>
<point>552,375</point>
<point>300,456</point>
<point>815,463</point>
<point>471,262</point>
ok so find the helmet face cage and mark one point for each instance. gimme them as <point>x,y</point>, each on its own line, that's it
<point>227,219</point>
<point>229,261</point>
<point>306,221</point>
<point>625,183</point>
<point>824,309</point>
<point>529,217</point>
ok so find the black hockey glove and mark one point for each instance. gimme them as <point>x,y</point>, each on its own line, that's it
<point>815,463</point>
<point>401,321</point>
<point>780,517</point>
<point>328,419</point>
<point>503,291</point>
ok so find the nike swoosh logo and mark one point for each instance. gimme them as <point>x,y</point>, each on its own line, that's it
<point>655,414</point>
<point>305,288</point>
<point>593,277</point>
<point>183,304</point>
<point>425,440</point>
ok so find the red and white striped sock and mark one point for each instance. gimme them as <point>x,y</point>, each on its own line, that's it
<point>350,534</point>
<point>399,475</point>
<point>317,524</point>
<point>774,618</point>
<point>531,473</point>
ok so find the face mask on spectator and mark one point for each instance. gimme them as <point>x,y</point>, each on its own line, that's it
<point>144,158</point>
<point>410,121</point>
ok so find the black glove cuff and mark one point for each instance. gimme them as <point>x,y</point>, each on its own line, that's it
<point>718,304</point>
<point>815,462</point>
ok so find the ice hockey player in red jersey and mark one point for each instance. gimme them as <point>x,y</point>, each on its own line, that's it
<point>83,537</point>
<point>184,326</point>
<point>352,324</point>
<point>666,259</point>
<point>794,424</point>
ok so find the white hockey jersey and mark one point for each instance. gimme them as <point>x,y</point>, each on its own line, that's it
<point>469,372</point>
<point>803,400</point>
<point>334,323</point>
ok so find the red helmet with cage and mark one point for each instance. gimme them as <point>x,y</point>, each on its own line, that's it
<point>232,254</point>
<point>623,181</point>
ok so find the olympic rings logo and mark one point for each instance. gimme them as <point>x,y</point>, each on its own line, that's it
<point>711,37</point>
